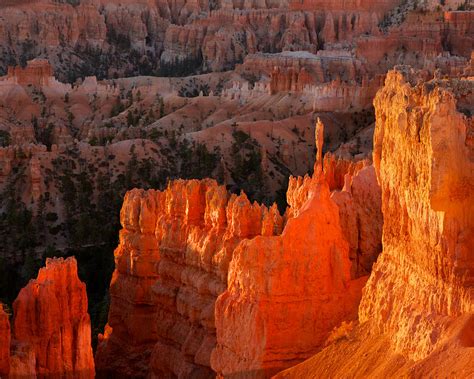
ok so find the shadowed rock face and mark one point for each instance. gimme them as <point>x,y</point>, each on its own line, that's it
<point>51,329</point>
<point>418,305</point>
<point>207,282</point>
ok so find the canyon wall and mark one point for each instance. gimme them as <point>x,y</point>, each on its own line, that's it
<point>208,282</point>
<point>417,309</point>
<point>178,38</point>
<point>51,334</point>
<point>423,150</point>
<point>379,5</point>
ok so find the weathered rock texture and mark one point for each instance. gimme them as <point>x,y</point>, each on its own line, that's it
<point>423,150</point>
<point>4,342</point>
<point>51,329</point>
<point>417,310</point>
<point>207,282</point>
<point>38,72</point>
<point>285,293</point>
<point>171,264</point>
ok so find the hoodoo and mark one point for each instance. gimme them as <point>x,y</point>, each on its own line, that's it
<point>252,189</point>
<point>51,329</point>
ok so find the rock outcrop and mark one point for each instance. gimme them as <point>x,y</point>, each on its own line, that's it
<point>285,293</point>
<point>208,282</point>
<point>51,329</point>
<point>171,265</point>
<point>417,309</point>
<point>38,72</point>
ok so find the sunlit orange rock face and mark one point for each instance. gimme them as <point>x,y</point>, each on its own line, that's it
<point>207,282</point>
<point>423,154</point>
<point>417,311</point>
<point>51,330</point>
<point>286,292</point>
<point>4,342</point>
<point>171,265</point>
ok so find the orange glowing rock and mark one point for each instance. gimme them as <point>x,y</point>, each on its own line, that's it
<point>171,264</point>
<point>285,293</point>
<point>51,329</point>
<point>209,282</point>
<point>423,149</point>
<point>417,310</point>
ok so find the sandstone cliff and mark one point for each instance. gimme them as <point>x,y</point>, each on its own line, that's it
<point>51,329</point>
<point>417,309</point>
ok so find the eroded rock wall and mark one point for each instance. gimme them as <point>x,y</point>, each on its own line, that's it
<point>423,155</point>
<point>171,265</point>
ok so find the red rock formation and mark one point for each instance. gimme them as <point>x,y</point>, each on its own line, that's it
<point>40,19</point>
<point>289,80</point>
<point>51,328</point>
<point>171,265</point>
<point>460,27</point>
<point>285,293</point>
<point>417,310</point>
<point>37,72</point>
<point>4,342</point>
<point>379,6</point>
<point>194,261</point>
